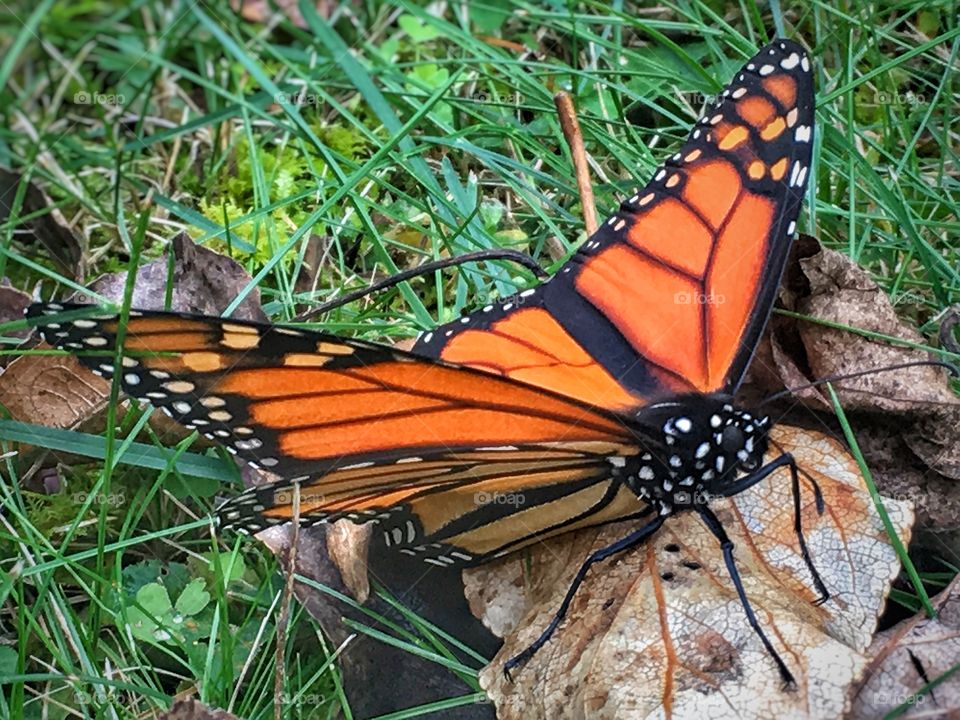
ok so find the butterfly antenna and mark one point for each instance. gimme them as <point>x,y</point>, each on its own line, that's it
<point>492,254</point>
<point>952,369</point>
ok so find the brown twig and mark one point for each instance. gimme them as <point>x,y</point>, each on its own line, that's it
<point>571,131</point>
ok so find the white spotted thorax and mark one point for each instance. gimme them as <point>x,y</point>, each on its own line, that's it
<point>708,443</point>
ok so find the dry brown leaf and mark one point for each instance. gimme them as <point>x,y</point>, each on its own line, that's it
<point>12,304</point>
<point>661,631</point>
<point>262,11</point>
<point>893,677</point>
<point>191,709</point>
<point>348,545</point>
<point>905,420</point>
<point>948,330</point>
<point>51,390</point>
<point>842,292</point>
<point>827,286</point>
<point>204,282</point>
<point>48,230</point>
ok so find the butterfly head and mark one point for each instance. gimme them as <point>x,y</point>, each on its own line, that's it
<point>705,445</point>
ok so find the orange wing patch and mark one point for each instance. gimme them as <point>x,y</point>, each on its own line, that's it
<point>529,345</point>
<point>438,428</point>
<point>756,110</point>
<point>620,279</point>
<point>703,283</point>
<point>733,279</point>
<point>712,188</point>
<point>783,88</point>
<point>657,232</point>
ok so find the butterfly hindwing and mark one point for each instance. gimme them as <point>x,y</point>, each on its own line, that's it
<point>672,292</point>
<point>461,508</point>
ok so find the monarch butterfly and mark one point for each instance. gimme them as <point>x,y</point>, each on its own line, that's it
<point>604,394</point>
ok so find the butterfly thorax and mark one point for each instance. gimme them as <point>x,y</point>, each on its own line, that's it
<point>701,446</point>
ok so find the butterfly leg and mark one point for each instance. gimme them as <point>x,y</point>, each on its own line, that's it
<point>798,528</point>
<point>786,459</point>
<point>714,525</point>
<point>634,538</point>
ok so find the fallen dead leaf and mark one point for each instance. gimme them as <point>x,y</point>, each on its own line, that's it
<point>948,330</point>
<point>349,545</point>
<point>262,11</point>
<point>48,230</point>
<point>191,709</point>
<point>12,304</point>
<point>660,630</point>
<point>906,420</point>
<point>899,654</point>
<point>51,390</point>
<point>842,292</point>
<point>204,282</point>
<point>828,287</point>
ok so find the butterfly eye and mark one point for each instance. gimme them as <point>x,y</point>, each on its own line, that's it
<point>732,439</point>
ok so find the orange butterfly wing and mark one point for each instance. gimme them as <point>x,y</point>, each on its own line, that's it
<point>672,293</point>
<point>296,401</point>
<point>432,452</point>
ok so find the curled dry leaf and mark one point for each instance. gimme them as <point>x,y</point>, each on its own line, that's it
<point>905,420</point>
<point>348,545</point>
<point>660,630</point>
<point>841,292</point>
<point>948,330</point>
<point>828,287</point>
<point>904,654</point>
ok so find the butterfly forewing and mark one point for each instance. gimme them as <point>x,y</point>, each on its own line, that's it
<point>365,431</point>
<point>672,292</point>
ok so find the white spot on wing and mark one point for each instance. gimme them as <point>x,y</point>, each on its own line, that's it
<point>790,62</point>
